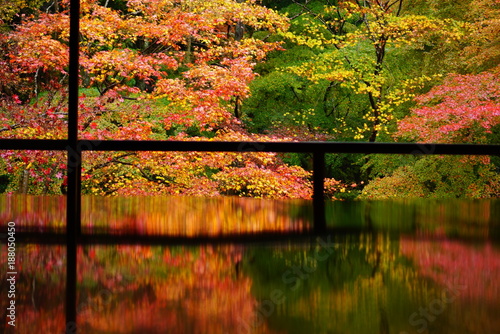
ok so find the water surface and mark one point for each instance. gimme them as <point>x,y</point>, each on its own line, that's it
<point>413,267</point>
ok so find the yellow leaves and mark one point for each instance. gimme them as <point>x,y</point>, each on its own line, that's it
<point>8,9</point>
<point>314,39</point>
<point>324,67</point>
<point>313,43</point>
<point>338,75</point>
<point>404,92</point>
<point>330,9</point>
<point>358,136</point>
<point>414,30</point>
<point>260,183</point>
<point>361,87</point>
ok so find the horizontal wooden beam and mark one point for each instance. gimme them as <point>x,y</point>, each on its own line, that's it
<point>218,146</point>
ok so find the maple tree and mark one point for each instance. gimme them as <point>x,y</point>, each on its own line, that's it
<point>464,109</point>
<point>347,66</point>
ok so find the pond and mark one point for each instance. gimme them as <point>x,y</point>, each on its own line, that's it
<point>404,267</point>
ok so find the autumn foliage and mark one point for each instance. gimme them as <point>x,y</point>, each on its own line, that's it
<point>464,109</point>
<point>162,70</point>
<point>185,70</point>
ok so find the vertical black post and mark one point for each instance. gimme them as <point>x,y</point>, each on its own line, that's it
<point>78,192</point>
<point>319,192</point>
<point>74,170</point>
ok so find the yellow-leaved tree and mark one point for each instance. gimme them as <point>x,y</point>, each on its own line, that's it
<point>353,41</point>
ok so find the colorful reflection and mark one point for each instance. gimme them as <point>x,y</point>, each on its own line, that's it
<point>461,218</point>
<point>159,289</point>
<point>174,215</point>
<point>416,269</point>
<point>192,216</point>
<point>369,283</point>
<point>34,213</point>
<point>39,288</point>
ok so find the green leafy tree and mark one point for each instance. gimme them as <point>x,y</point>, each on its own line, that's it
<point>354,41</point>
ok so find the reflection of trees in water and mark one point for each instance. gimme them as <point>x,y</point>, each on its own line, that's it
<point>133,289</point>
<point>466,281</point>
<point>177,215</point>
<point>185,290</point>
<point>358,288</point>
<point>449,263</point>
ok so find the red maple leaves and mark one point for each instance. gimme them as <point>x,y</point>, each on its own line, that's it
<point>464,109</point>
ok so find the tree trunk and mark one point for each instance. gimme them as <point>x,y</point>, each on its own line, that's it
<point>23,183</point>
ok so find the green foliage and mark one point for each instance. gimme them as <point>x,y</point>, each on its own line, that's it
<point>4,182</point>
<point>277,4</point>
<point>380,165</point>
<point>438,8</point>
<point>436,177</point>
<point>272,96</point>
<point>10,8</point>
<point>344,166</point>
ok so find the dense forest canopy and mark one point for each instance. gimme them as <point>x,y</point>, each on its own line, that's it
<point>238,70</point>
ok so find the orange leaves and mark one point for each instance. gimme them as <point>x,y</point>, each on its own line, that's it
<point>41,53</point>
<point>148,43</point>
<point>173,89</point>
<point>482,47</point>
<point>253,174</point>
<point>229,79</point>
<point>114,68</point>
<point>147,40</point>
<point>248,12</point>
<point>103,27</point>
<point>188,66</point>
<point>249,174</point>
<point>34,46</point>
